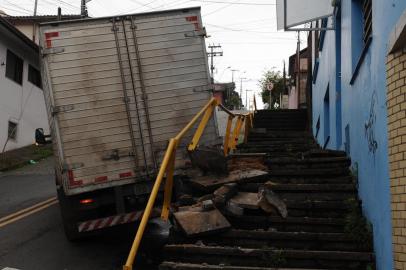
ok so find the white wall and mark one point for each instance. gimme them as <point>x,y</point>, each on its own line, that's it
<point>23,104</point>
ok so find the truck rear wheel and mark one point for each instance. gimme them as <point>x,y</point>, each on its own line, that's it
<point>68,217</point>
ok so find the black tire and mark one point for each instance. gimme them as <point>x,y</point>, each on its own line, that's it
<point>68,216</point>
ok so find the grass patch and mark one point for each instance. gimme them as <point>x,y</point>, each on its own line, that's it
<point>20,157</point>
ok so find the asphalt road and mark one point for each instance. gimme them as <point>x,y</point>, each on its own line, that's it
<point>37,241</point>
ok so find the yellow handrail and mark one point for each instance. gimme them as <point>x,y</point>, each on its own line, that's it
<point>168,163</point>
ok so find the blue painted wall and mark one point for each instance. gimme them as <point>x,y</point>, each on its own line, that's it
<point>359,110</point>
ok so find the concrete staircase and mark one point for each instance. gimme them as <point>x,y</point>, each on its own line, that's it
<point>320,195</point>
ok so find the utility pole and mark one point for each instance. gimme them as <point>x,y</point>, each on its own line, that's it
<point>241,90</point>
<point>284,83</point>
<point>83,8</point>
<point>34,26</point>
<point>232,74</point>
<point>246,98</point>
<point>213,53</point>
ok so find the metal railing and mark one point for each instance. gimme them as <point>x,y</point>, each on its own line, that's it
<point>168,163</point>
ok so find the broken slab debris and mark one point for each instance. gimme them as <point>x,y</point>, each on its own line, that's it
<point>201,223</point>
<point>224,193</point>
<point>211,183</point>
<point>270,202</point>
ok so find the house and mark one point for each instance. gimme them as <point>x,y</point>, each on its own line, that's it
<point>298,89</point>
<point>28,25</point>
<point>358,100</point>
<point>22,106</point>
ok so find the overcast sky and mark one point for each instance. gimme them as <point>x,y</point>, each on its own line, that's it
<point>246,30</point>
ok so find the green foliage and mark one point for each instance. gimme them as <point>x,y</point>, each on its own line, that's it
<point>277,79</point>
<point>234,101</point>
<point>357,226</point>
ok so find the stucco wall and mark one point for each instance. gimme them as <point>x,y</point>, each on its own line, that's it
<point>24,103</point>
<point>363,111</point>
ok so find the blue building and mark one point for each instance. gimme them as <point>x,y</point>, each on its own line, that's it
<point>349,105</point>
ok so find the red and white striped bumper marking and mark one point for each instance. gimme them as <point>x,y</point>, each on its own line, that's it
<point>111,221</point>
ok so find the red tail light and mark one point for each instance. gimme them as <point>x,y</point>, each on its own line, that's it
<point>86,201</point>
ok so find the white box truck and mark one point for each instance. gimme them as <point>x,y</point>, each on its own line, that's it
<point>116,89</point>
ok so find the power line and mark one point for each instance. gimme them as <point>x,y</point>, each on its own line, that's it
<point>234,3</point>
<point>219,9</point>
<point>16,10</point>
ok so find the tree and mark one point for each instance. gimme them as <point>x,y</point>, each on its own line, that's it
<point>277,80</point>
<point>233,101</point>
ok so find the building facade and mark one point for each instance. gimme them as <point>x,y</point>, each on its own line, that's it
<point>22,106</point>
<point>298,72</point>
<point>356,103</point>
<point>28,25</point>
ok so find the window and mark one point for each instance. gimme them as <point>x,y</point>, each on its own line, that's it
<point>14,67</point>
<point>361,33</point>
<point>367,19</point>
<point>34,76</point>
<point>12,130</point>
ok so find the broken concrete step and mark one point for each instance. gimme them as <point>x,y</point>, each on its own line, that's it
<point>204,266</point>
<point>211,183</point>
<point>289,224</point>
<point>237,256</point>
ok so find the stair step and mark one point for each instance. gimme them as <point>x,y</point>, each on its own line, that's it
<point>329,160</point>
<point>310,180</point>
<point>302,188</point>
<point>327,172</point>
<point>204,266</point>
<point>238,256</point>
<point>289,224</point>
<point>277,240</point>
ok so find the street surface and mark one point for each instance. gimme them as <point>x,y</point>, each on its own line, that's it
<point>34,239</point>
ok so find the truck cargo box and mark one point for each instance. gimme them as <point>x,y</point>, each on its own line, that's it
<point>117,88</point>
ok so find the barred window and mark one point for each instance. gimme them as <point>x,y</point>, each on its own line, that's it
<point>367,19</point>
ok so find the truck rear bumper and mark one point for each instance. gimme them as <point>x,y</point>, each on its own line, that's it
<point>106,222</point>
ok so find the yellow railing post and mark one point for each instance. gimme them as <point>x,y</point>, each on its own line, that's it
<point>147,212</point>
<point>226,145</point>
<point>205,119</point>
<point>169,184</point>
<point>247,127</point>
<point>236,132</point>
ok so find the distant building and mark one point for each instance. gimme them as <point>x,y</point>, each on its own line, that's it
<point>359,105</point>
<point>298,89</point>
<point>28,25</point>
<point>223,91</point>
<point>22,106</point>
